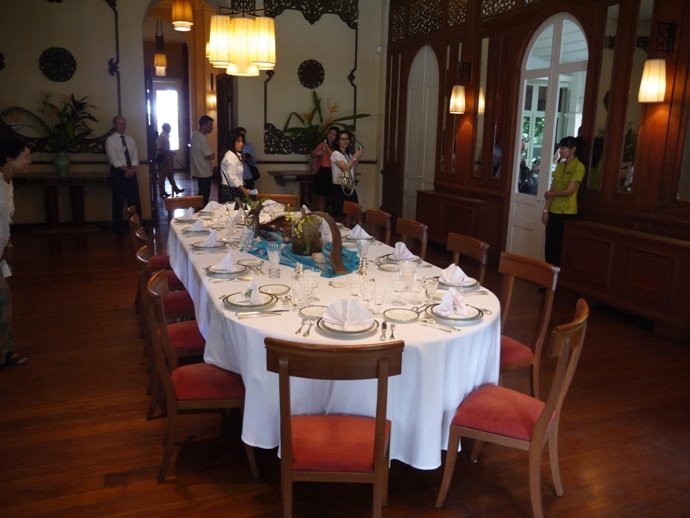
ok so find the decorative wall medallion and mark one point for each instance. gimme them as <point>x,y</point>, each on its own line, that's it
<point>57,64</point>
<point>310,74</point>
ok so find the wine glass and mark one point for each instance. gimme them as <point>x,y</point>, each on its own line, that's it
<point>366,290</point>
<point>363,247</point>
<point>312,278</point>
<point>274,252</point>
<point>399,283</point>
<point>379,295</point>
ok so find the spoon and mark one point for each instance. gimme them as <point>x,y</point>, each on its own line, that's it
<point>383,331</point>
<point>306,333</point>
<point>299,330</point>
<point>392,331</point>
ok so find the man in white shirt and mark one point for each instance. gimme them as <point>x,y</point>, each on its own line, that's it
<point>201,157</point>
<point>123,157</point>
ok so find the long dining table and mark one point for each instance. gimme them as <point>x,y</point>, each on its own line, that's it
<point>439,369</point>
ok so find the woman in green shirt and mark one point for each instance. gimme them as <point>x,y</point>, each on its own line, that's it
<point>561,198</point>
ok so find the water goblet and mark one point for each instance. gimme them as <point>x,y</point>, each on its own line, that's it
<point>312,278</point>
<point>363,247</point>
<point>379,296</point>
<point>274,252</point>
<point>430,288</point>
<point>366,290</point>
<point>417,290</point>
<point>399,284</point>
<point>247,239</point>
<point>354,283</point>
<point>407,268</point>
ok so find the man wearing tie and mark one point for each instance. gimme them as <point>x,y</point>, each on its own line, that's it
<point>123,158</point>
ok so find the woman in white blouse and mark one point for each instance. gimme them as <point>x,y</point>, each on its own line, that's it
<point>343,167</point>
<point>232,171</point>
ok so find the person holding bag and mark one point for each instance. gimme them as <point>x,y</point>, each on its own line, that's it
<point>343,168</point>
<point>232,171</point>
<point>321,165</point>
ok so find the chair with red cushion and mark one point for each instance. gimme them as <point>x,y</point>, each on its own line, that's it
<point>334,447</point>
<point>467,246</point>
<point>509,418</point>
<point>198,387</point>
<point>516,354</point>
<point>414,234</point>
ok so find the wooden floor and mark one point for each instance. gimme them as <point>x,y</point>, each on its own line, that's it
<point>74,440</point>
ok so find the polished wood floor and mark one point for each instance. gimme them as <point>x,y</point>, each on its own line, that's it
<point>74,440</point>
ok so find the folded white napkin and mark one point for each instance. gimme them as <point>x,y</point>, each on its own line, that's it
<point>252,293</point>
<point>452,303</point>
<point>212,206</point>
<point>402,253</point>
<point>234,218</point>
<point>210,240</point>
<point>349,314</point>
<point>271,210</point>
<point>197,226</point>
<point>227,263</point>
<point>453,275</point>
<point>189,213</point>
<point>358,232</point>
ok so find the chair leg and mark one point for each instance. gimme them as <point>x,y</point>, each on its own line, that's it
<point>553,459</point>
<point>535,455</point>
<point>534,378</point>
<point>286,488</point>
<point>449,468</point>
<point>168,445</point>
<point>251,458</point>
<point>476,450</point>
<point>385,476</point>
<point>155,395</point>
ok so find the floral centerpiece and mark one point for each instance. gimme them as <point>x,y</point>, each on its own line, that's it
<point>313,126</point>
<point>252,213</point>
<point>57,128</point>
<point>306,234</point>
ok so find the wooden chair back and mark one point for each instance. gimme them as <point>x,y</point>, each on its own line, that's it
<point>134,226</point>
<point>352,212</point>
<point>378,224</point>
<point>467,246</point>
<point>328,362</point>
<point>284,198</point>
<point>183,202</point>
<point>411,230</point>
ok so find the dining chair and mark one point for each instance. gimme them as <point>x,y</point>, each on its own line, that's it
<point>183,202</point>
<point>412,230</point>
<point>378,223</point>
<point>544,276</point>
<point>510,418</point>
<point>140,238</point>
<point>467,246</point>
<point>352,212</point>
<point>334,447</point>
<point>192,388</point>
<point>284,198</point>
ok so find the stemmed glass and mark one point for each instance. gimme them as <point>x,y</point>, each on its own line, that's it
<point>247,239</point>
<point>274,252</point>
<point>379,295</point>
<point>363,247</point>
<point>311,278</point>
<point>399,284</point>
<point>366,290</point>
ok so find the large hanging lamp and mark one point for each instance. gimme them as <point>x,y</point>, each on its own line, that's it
<point>182,16</point>
<point>219,41</point>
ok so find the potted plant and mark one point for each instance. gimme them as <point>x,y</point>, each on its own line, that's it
<point>313,127</point>
<point>58,128</point>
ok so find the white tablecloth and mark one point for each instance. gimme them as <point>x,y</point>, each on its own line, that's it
<point>439,369</point>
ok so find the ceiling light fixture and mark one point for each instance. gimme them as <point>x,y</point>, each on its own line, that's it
<point>182,16</point>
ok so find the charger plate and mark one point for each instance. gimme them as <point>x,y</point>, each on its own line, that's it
<point>474,316</point>
<point>401,315</point>
<point>236,269</point>
<point>189,232</point>
<point>199,245</point>
<point>340,332</point>
<point>237,301</point>
<point>274,289</point>
<point>467,282</point>
<point>315,311</point>
<point>391,258</point>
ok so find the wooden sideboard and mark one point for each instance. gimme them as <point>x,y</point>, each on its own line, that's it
<point>644,274</point>
<point>474,217</point>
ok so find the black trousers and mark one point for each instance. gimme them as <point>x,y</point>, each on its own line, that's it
<point>338,197</point>
<point>123,189</point>
<point>204,185</point>
<point>554,237</point>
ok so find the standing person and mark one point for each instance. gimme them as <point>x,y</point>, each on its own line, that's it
<point>323,182</point>
<point>123,157</point>
<point>561,198</point>
<point>249,160</point>
<point>14,158</point>
<point>232,171</point>
<point>164,160</point>
<point>343,168</point>
<point>202,157</point>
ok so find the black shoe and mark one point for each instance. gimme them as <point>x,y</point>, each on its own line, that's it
<point>165,195</point>
<point>178,191</point>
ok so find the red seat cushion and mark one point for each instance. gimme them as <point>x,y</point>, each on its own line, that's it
<point>334,443</point>
<point>185,336</point>
<point>500,411</point>
<point>178,302</point>
<point>513,352</point>
<point>203,381</point>
<point>174,282</point>
<point>160,262</point>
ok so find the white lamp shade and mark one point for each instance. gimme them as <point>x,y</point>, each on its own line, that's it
<point>653,84</point>
<point>481,103</point>
<point>182,17</point>
<point>265,43</point>
<point>457,100</point>
<point>160,62</point>
<point>219,42</point>
<point>243,47</point>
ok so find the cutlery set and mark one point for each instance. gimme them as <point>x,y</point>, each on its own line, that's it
<point>384,328</point>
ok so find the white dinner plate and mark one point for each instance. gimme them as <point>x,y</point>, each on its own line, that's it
<point>238,302</point>
<point>185,220</point>
<point>389,267</point>
<point>391,258</point>
<point>189,232</point>
<point>199,245</point>
<point>251,263</point>
<point>236,269</point>
<point>315,311</point>
<point>467,282</point>
<point>401,315</point>
<point>338,330</point>
<point>274,289</point>
<point>473,316</point>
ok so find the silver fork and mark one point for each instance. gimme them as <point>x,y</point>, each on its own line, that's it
<point>306,333</point>
<point>299,330</point>
<point>392,331</point>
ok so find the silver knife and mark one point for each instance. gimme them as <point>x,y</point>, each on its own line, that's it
<point>257,313</point>
<point>440,327</point>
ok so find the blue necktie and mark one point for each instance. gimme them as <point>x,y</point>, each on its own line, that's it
<point>127,157</point>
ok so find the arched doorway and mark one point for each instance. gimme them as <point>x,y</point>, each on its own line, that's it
<point>420,134</point>
<point>552,91</point>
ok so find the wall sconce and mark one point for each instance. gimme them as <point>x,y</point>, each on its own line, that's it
<point>653,84</point>
<point>211,100</point>
<point>182,17</point>
<point>457,100</point>
<point>160,60</point>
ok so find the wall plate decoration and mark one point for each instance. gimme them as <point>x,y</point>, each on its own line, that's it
<point>57,64</point>
<point>310,74</point>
